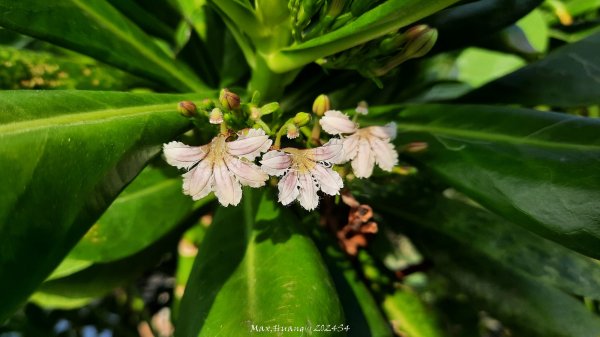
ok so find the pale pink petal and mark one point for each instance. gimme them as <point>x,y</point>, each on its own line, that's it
<point>329,152</point>
<point>250,145</point>
<point>363,163</point>
<point>198,182</point>
<point>288,188</point>
<point>388,131</point>
<point>335,122</point>
<point>183,156</point>
<point>350,148</point>
<point>329,180</point>
<point>275,162</point>
<point>385,153</point>
<point>247,173</point>
<point>227,189</point>
<point>308,192</point>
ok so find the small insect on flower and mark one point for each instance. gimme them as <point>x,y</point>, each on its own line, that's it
<point>221,166</point>
<point>365,147</point>
<point>305,172</point>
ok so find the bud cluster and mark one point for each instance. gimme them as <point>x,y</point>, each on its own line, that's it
<point>380,56</point>
<point>312,18</point>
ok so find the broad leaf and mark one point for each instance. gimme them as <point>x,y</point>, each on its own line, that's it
<point>99,279</point>
<point>64,157</point>
<point>97,29</point>
<point>409,315</point>
<point>145,211</point>
<point>255,268</point>
<point>505,243</point>
<point>569,76</point>
<point>530,308</point>
<point>539,169</point>
<point>388,17</point>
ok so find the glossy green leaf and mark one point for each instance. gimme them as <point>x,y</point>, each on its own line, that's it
<point>25,69</point>
<point>361,309</point>
<point>255,268</point>
<point>97,29</point>
<point>80,288</point>
<point>388,17</point>
<point>569,76</point>
<point>146,210</point>
<point>530,308</point>
<point>64,157</point>
<point>507,244</point>
<point>69,266</point>
<point>477,66</point>
<point>538,169</point>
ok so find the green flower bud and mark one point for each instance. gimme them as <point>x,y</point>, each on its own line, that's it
<point>269,108</point>
<point>207,105</point>
<point>229,100</point>
<point>416,147</point>
<point>321,105</point>
<point>301,119</point>
<point>292,131</point>
<point>420,40</point>
<point>187,108</point>
<point>255,113</point>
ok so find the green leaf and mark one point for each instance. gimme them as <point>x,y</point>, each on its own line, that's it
<point>146,210</point>
<point>255,268</point>
<point>505,243</point>
<point>97,29</point>
<point>567,77</point>
<point>530,308</point>
<point>69,266</point>
<point>25,69</point>
<point>478,66</point>
<point>538,169</point>
<point>361,309</point>
<point>388,17</point>
<point>80,288</point>
<point>64,157</point>
<point>409,315</point>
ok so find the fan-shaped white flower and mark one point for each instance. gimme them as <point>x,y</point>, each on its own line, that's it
<point>220,166</point>
<point>305,172</point>
<point>365,147</point>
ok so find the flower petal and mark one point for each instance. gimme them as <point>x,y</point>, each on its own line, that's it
<point>335,122</point>
<point>227,189</point>
<point>288,188</point>
<point>247,173</point>
<point>250,145</point>
<point>388,131</point>
<point>198,181</point>
<point>350,148</point>
<point>329,152</point>
<point>385,153</point>
<point>183,156</point>
<point>308,192</point>
<point>329,180</point>
<point>275,162</point>
<point>363,163</point>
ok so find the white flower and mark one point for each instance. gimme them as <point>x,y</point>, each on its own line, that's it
<point>365,147</point>
<point>215,116</point>
<point>305,172</point>
<point>362,108</point>
<point>220,166</point>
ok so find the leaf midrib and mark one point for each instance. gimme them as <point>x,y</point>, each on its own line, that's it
<point>492,137</point>
<point>140,47</point>
<point>82,118</point>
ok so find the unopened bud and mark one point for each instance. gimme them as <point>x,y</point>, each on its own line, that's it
<point>216,116</point>
<point>269,108</point>
<point>229,100</point>
<point>416,147</point>
<point>301,119</point>
<point>392,44</point>
<point>362,108</point>
<point>187,108</point>
<point>292,131</point>
<point>255,113</point>
<point>420,40</point>
<point>321,105</point>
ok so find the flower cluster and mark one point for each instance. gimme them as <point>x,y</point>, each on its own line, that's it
<point>227,163</point>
